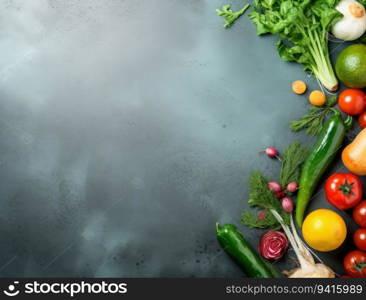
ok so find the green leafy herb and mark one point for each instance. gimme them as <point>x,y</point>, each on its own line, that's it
<point>313,121</point>
<point>293,158</point>
<point>251,220</point>
<point>302,26</point>
<point>229,15</point>
<point>262,198</point>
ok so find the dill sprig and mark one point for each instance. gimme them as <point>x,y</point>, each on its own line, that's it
<point>292,160</point>
<point>268,221</point>
<point>261,197</point>
<point>313,121</point>
<point>229,15</point>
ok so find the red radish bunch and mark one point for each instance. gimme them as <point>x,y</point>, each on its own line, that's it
<point>280,193</point>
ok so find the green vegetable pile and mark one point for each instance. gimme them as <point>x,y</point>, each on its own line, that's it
<point>302,26</point>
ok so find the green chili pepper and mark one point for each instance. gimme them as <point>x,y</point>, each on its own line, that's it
<point>325,149</point>
<point>239,249</point>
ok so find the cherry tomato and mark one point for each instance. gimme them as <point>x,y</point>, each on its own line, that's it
<point>362,120</point>
<point>359,214</point>
<point>359,238</point>
<point>345,276</point>
<point>352,101</point>
<point>354,263</point>
<point>343,190</point>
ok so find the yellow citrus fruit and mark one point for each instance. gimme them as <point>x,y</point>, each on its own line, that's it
<point>317,98</point>
<point>324,230</point>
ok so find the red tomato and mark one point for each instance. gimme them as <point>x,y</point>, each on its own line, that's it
<point>345,276</point>
<point>359,238</point>
<point>354,263</point>
<point>362,120</point>
<point>359,214</point>
<point>352,101</point>
<point>343,190</point>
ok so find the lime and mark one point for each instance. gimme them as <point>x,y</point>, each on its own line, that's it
<point>351,66</point>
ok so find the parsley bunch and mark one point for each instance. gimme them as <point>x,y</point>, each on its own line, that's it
<point>302,27</point>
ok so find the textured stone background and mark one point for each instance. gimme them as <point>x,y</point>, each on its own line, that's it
<point>128,128</point>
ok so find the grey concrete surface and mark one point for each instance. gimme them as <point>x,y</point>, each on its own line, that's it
<point>128,128</point>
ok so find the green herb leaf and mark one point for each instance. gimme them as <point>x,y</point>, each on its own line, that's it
<point>251,220</point>
<point>229,15</point>
<point>261,197</point>
<point>293,158</point>
<point>313,121</point>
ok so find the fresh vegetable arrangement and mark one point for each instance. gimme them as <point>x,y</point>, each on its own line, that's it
<point>303,29</point>
<point>274,214</point>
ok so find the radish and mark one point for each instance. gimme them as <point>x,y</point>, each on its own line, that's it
<point>292,187</point>
<point>271,152</point>
<point>287,204</point>
<point>274,186</point>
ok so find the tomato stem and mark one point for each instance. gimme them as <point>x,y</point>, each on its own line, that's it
<point>360,266</point>
<point>346,188</point>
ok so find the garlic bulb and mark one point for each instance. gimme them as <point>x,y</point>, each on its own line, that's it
<point>353,24</point>
<point>311,270</point>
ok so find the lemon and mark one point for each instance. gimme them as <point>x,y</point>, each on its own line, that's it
<point>324,230</point>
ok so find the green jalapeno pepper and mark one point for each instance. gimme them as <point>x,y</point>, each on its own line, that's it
<point>239,249</point>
